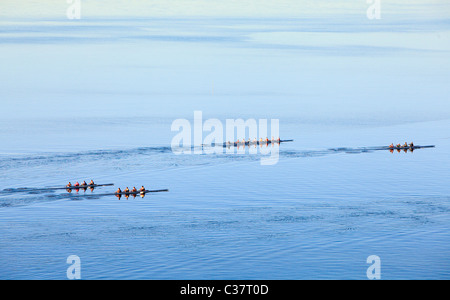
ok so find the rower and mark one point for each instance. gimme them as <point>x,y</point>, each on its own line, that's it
<point>142,189</point>
<point>399,146</point>
<point>69,185</point>
<point>126,190</point>
<point>119,191</point>
<point>267,139</point>
<point>405,145</point>
<point>84,183</point>
<point>134,190</point>
<point>91,182</point>
<point>77,184</point>
<point>391,146</point>
<point>411,145</point>
<point>278,139</point>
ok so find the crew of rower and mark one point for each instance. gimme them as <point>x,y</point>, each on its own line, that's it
<point>255,141</point>
<point>405,145</point>
<point>127,190</point>
<point>78,185</point>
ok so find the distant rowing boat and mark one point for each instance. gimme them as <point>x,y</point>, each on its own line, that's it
<point>79,187</point>
<point>407,148</point>
<point>236,144</point>
<point>380,148</point>
<point>57,188</point>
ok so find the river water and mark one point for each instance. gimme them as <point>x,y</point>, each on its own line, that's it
<point>96,99</point>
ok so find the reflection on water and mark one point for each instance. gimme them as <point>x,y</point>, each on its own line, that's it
<point>127,196</point>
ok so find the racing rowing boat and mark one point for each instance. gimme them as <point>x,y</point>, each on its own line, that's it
<point>137,192</point>
<point>95,195</point>
<point>79,187</point>
<point>379,148</point>
<point>236,144</point>
<point>407,148</point>
<point>25,189</point>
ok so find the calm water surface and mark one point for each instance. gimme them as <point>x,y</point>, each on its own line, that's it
<point>97,102</point>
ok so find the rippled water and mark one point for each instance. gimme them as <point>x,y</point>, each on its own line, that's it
<point>97,102</point>
<point>315,214</point>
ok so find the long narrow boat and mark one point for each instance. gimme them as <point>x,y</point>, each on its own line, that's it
<point>236,144</point>
<point>88,186</point>
<point>138,193</point>
<point>81,187</point>
<point>135,193</point>
<point>379,148</point>
<point>407,148</point>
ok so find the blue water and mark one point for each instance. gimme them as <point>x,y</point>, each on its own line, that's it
<point>96,99</point>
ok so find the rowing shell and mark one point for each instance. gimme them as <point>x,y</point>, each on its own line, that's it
<point>81,187</point>
<point>57,188</point>
<point>94,195</point>
<point>382,148</point>
<point>236,144</point>
<point>136,193</point>
<point>408,148</point>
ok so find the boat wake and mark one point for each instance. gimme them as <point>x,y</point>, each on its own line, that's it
<point>165,156</point>
<point>132,161</point>
<point>89,156</point>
